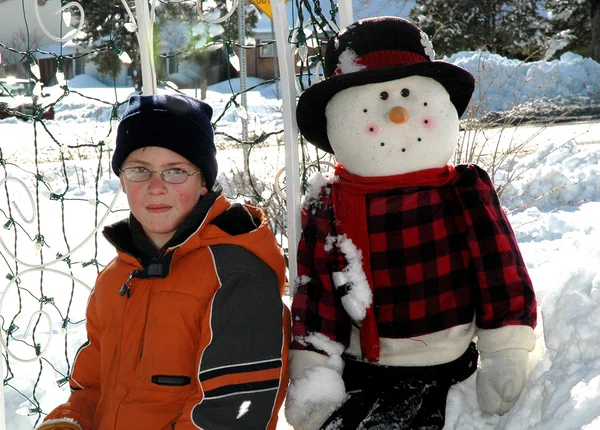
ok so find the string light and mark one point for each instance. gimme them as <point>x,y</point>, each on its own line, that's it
<point>34,67</point>
<point>38,243</point>
<point>27,412</point>
<point>303,53</point>
<point>302,48</point>
<point>60,78</point>
<point>130,27</point>
<point>66,15</point>
<point>234,60</point>
<point>241,110</point>
<point>123,56</point>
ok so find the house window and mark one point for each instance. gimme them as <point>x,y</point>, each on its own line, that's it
<point>79,66</point>
<point>171,63</point>
<point>269,50</point>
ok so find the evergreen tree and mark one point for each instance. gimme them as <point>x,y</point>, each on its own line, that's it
<point>595,21</point>
<point>571,23</point>
<point>104,26</point>
<point>512,28</point>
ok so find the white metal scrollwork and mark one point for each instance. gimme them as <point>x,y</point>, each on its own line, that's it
<point>219,19</point>
<point>69,35</point>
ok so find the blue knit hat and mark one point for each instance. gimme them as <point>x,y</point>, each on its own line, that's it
<point>173,121</point>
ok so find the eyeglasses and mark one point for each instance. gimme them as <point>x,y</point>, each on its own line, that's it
<point>171,176</point>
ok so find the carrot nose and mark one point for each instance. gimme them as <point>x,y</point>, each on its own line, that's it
<point>399,115</point>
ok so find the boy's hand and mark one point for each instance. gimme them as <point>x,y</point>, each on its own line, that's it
<point>59,425</point>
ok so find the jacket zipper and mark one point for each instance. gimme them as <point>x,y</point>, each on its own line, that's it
<point>151,286</point>
<point>126,287</point>
<point>124,290</point>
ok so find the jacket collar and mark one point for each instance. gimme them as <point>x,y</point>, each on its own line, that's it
<point>127,235</point>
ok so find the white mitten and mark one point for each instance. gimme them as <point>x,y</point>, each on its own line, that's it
<point>500,379</point>
<point>312,397</point>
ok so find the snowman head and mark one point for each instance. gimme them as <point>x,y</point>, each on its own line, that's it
<point>363,61</point>
<point>393,127</point>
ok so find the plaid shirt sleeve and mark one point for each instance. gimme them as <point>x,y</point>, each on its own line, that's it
<point>316,307</point>
<point>506,295</point>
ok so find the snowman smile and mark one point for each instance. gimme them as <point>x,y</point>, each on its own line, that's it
<point>383,144</point>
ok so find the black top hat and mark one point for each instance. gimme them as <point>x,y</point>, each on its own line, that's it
<point>370,51</point>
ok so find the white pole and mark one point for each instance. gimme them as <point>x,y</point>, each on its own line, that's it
<point>287,73</point>
<point>345,13</point>
<point>243,68</point>
<point>2,405</point>
<point>144,33</point>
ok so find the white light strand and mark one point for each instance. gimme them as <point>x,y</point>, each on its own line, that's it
<point>69,35</point>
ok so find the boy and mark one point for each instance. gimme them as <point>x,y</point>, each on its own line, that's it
<point>186,327</point>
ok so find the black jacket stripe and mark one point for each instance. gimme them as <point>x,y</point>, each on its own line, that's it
<point>205,375</point>
<point>242,388</point>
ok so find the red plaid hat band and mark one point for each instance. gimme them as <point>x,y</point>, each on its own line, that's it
<point>385,58</point>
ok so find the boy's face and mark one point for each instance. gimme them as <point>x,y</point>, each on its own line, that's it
<point>160,207</point>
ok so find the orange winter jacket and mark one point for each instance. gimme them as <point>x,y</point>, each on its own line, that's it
<point>195,338</point>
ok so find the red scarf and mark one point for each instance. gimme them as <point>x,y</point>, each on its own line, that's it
<point>350,211</point>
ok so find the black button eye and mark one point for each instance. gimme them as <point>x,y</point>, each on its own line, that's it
<point>384,95</point>
<point>405,92</point>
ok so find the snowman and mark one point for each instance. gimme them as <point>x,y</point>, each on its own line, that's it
<point>410,278</point>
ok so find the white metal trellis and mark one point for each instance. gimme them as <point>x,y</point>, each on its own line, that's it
<point>36,268</point>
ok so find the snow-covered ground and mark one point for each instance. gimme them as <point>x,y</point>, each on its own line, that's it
<point>558,233</point>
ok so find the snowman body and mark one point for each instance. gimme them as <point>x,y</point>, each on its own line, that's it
<point>404,260</point>
<point>393,128</point>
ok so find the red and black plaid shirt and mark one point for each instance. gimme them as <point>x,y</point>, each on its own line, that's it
<point>439,257</point>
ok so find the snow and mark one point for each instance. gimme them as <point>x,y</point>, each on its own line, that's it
<point>502,83</point>
<point>322,343</point>
<point>347,62</point>
<point>558,234</point>
<point>85,81</point>
<point>359,295</point>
